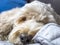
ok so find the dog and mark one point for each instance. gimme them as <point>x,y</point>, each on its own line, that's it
<point>42,13</point>
<point>37,11</point>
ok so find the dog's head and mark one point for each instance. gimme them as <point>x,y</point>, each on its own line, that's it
<point>25,31</point>
<point>34,16</point>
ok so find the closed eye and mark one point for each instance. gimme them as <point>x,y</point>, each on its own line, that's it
<point>21,19</point>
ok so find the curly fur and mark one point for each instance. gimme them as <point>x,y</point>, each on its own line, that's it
<point>27,20</point>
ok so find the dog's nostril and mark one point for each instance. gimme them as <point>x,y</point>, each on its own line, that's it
<point>22,38</point>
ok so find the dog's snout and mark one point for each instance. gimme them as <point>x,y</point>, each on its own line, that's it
<point>22,38</point>
<point>25,38</point>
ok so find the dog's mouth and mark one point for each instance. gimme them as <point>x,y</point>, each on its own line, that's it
<point>25,38</point>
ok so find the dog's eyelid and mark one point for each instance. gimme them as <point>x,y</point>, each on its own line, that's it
<point>24,18</point>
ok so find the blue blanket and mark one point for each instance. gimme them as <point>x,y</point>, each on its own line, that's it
<point>9,4</point>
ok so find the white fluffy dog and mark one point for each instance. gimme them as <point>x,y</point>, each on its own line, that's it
<point>27,17</point>
<point>42,13</point>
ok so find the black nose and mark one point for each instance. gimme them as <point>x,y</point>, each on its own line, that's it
<point>25,38</point>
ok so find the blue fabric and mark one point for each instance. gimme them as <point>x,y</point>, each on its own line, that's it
<point>9,4</point>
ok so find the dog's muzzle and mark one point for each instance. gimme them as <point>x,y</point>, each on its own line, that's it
<point>25,38</point>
